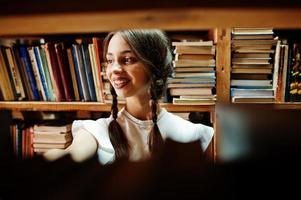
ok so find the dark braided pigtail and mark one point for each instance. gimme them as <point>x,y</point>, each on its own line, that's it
<point>117,136</point>
<point>155,140</point>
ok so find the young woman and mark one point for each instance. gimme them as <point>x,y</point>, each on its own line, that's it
<point>138,63</point>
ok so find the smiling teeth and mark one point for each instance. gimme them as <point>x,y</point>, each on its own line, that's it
<point>120,82</point>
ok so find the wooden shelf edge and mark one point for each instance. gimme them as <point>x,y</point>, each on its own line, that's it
<point>168,19</point>
<point>90,106</point>
<point>276,105</point>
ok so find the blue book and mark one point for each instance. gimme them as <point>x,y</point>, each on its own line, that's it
<point>76,69</point>
<point>88,70</point>
<point>82,73</point>
<point>41,72</point>
<point>25,58</point>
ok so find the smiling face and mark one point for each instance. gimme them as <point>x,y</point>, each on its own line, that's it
<point>125,70</point>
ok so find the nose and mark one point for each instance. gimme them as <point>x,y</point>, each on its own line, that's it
<point>116,68</point>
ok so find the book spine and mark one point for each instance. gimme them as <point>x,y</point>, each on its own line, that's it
<point>88,71</point>
<point>73,76</point>
<point>64,71</point>
<point>26,61</point>
<point>82,73</point>
<point>41,72</point>
<point>36,73</point>
<point>10,75</point>
<point>47,74</point>
<point>76,69</point>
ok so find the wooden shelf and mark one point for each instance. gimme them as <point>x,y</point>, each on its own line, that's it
<point>282,105</point>
<point>89,106</point>
<point>164,18</point>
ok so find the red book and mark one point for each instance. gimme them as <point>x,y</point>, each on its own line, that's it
<point>63,64</point>
<point>99,59</point>
<point>55,71</point>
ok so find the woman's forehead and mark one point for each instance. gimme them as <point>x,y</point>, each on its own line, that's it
<point>117,44</point>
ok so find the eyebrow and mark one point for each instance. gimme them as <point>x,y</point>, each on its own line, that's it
<point>123,52</point>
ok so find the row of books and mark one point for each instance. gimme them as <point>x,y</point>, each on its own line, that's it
<point>39,138</point>
<point>266,67</point>
<point>193,80</point>
<point>253,64</point>
<point>51,71</point>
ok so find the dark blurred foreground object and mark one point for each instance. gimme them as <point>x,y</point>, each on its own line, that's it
<point>267,167</point>
<point>6,151</point>
<point>258,131</point>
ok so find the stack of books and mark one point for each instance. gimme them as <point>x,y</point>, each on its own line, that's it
<point>51,135</point>
<point>254,68</point>
<point>193,79</point>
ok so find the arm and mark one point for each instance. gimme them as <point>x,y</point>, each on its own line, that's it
<point>83,147</point>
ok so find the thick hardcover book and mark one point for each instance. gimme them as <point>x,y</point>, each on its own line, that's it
<point>36,73</point>
<point>88,70</point>
<point>41,72</point>
<point>10,73</point>
<point>64,71</point>
<point>47,73</point>
<point>95,72</point>
<point>60,94</point>
<point>23,75</point>
<point>76,69</point>
<point>97,44</point>
<point>73,75</point>
<point>82,73</point>
<point>5,86</point>
<point>33,84</point>
<point>15,74</point>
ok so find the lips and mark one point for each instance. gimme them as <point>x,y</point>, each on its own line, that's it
<point>120,82</point>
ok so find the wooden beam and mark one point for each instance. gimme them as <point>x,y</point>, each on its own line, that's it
<point>167,19</point>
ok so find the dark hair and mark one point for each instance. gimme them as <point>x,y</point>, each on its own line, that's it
<point>152,47</point>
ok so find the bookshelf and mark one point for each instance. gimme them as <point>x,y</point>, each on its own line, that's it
<point>32,20</point>
<point>90,106</point>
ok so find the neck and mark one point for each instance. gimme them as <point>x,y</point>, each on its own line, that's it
<point>139,108</point>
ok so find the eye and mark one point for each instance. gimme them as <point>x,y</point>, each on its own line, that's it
<point>129,60</point>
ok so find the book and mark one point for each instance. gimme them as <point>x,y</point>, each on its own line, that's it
<point>47,73</point>
<point>254,99</point>
<point>194,69</point>
<point>204,101</point>
<point>64,71</point>
<point>88,70</point>
<point>251,61</point>
<point>15,74</point>
<point>41,71</point>
<point>189,85</point>
<point>54,70</point>
<point>36,73</point>
<point>97,44</point>
<point>252,55</point>
<point>251,92</point>
<point>73,75</point>
<point>76,70</point>
<point>193,57</point>
<point>191,80</point>
<point>252,31</point>
<point>252,70</point>
<point>57,126</point>
<point>194,50</point>
<point>82,73</point>
<point>51,137</point>
<point>190,91</point>
<point>194,74</point>
<point>251,83</point>
<point>5,84</point>
<point>193,43</point>
<point>50,145</point>
<point>191,63</point>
